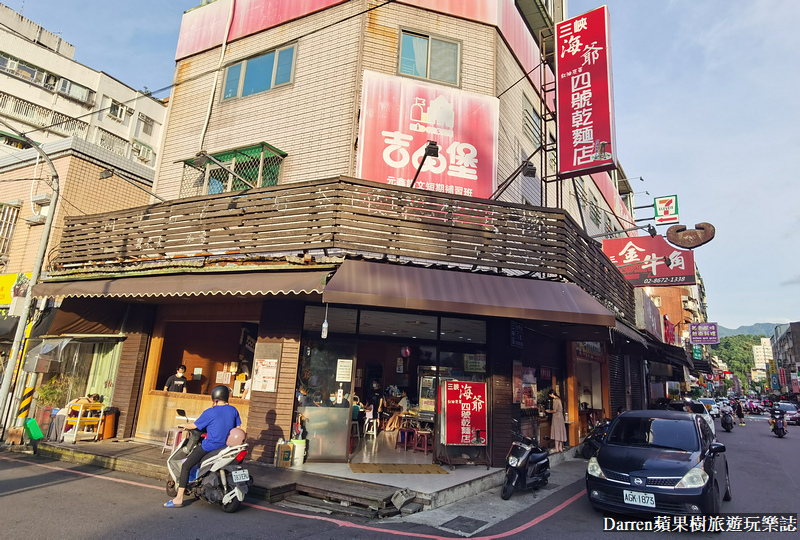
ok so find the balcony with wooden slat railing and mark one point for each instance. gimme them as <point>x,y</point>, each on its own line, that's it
<point>345,217</point>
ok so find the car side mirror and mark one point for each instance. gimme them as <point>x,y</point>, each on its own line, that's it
<point>716,448</point>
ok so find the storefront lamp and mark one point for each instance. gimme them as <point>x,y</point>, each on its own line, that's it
<point>431,150</point>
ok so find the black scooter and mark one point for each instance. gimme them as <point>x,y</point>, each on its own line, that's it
<point>727,421</point>
<point>527,464</point>
<point>594,440</point>
<point>778,421</point>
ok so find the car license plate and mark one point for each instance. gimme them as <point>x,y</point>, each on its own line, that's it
<point>639,499</point>
<point>241,475</point>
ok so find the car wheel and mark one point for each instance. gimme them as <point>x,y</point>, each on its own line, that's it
<point>715,502</point>
<point>728,495</point>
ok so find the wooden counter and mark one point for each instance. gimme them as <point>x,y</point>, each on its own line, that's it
<point>157,414</point>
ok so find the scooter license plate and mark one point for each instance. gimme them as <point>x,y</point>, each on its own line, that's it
<point>242,475</point>
<point>640,499</point>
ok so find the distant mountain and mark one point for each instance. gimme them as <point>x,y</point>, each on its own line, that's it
<point>758,329</point>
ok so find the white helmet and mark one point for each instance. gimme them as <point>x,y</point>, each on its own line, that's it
<point>236,436</point>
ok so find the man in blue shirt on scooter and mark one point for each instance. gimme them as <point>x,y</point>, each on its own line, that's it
<point>217,421</point>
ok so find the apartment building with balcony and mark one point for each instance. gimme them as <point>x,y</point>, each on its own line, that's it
<point>45,93</point>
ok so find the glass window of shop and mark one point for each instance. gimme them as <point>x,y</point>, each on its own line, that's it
<point>84,368</point>
<point>213,352</point>
<point>403,352</point>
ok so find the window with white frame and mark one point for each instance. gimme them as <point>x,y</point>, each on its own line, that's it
<point>147,124</point>
<point>428,57</point>
<point>531,122</point>
<point>8,220</point>
<point>580,192</point>
<point>594,211</point>
<point>235,170</point>
<point>117,111</point>
<point>75,91</point>
<point>260,73</point>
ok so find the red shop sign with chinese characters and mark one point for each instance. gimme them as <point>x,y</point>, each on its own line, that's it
<point>400,115</point>
<point>650,261</point>
<point>584,95</point>
<point>464,408</point>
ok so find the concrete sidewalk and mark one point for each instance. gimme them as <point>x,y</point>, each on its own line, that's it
<point>322,487</point>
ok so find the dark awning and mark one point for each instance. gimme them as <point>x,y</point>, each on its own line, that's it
<point>246,284</point>
<point>630,333</point>
<point>675,355</point>
<point>407,287</point>
<point>8,327</point>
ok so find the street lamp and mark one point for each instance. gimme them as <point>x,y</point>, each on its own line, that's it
<point>108,173</point>
<point>430,150</point>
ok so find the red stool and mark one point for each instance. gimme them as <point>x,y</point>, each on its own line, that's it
<point>424,440</point>
<point>409,438</point>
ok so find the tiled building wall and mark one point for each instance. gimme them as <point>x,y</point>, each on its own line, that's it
<point>312,119</point>
<point>81,192</point>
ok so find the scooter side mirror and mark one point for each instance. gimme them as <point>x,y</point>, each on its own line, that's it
<point>181,412</point>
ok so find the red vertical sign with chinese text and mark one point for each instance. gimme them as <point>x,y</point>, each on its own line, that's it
<point>584,95</point>
<point>464,406</point>
<point>400,115</point>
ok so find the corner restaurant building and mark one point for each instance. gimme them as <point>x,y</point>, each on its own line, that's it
<point>400,308</point>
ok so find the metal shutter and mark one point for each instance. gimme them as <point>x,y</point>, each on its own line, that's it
<point>616,375</point>
<point>637,387</point>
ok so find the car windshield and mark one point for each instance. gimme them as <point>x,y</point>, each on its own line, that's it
<point>787,407</point>
<point>679,434</point>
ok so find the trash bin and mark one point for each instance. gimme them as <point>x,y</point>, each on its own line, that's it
<point>32,430</point>
<point>110,418</point>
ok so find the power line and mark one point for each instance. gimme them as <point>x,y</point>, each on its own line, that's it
<point>203,74</point>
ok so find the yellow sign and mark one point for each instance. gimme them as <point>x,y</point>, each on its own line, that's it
<point>12,285</point>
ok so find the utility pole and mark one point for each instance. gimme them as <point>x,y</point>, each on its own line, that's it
<point>37,269</point>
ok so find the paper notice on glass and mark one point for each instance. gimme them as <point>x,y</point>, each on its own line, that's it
<point>226,377</point>
<point>344,370</point>
<point>265,375</point>
<point>220,377</point>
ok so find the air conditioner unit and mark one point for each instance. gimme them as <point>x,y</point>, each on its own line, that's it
<point>129,111</point>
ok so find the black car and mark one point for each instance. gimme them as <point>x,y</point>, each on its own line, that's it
<point>659,462</point>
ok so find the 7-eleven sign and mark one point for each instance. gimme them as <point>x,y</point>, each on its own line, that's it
<point>666,209</point>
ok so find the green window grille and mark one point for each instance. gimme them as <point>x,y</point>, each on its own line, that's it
<point>258,166</point>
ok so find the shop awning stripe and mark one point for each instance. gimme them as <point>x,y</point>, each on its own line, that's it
<point>408,287</point>
<point>180,285</point>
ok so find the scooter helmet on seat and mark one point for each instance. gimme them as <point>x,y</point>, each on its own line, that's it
<point>221,393</point>
<point>236,437</point>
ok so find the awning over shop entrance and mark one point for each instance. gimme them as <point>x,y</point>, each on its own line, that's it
<point>407,287</point>
<point>8,327</point>
<point>223,284</point>
<point>630,334</point>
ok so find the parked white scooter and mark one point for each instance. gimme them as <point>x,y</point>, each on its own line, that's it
<point>219,477</point>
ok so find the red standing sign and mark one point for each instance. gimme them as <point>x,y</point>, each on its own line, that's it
<point>584,95</point>
<point>464,410</point>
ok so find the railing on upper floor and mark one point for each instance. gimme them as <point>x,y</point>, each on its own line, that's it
<point>347,217</point>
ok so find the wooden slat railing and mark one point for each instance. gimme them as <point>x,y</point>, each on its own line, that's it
<point>345,216</point>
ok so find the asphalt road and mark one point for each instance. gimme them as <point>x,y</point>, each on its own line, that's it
<point>44,499</point>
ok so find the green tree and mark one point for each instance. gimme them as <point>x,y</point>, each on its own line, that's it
<point>737,353</point>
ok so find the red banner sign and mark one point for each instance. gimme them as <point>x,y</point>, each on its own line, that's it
<point>400,115</point>
<point>584,96</point>
<point>650,261</point>
<point>782,376</point>
<point>464,407</point>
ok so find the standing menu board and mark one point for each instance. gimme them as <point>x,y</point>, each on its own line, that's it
<point>463,410</point>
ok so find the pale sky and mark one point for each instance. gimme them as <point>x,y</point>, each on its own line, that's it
<point>705,110</point>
